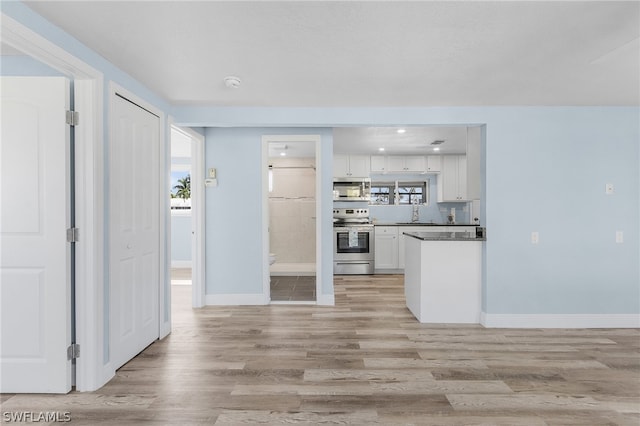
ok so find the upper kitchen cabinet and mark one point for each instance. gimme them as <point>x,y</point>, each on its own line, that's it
<point>452,182</point>
<point>434,163</point>
<point>378,164</point>
<point>406,163</point>
<point>351,165</point>
<point>460,178</point>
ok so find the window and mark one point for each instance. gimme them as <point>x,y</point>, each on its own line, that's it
<point>399,193</point>
<point>382,193</point>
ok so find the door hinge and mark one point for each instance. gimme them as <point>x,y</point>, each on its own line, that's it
<point>73,118</point>
<point>73,351</point>
<point>73,235</point>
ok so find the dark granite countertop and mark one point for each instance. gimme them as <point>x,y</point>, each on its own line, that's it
<point>422,224</point>
<point>445,236</point>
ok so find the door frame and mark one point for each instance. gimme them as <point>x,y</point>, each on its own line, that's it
<point>91,369</point>
<point>198,264</point>
<point>266,139</point>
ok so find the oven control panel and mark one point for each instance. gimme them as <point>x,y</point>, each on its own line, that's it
<point>349,213</point>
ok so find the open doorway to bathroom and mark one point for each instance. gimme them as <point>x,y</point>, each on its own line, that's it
<point>292,221</point>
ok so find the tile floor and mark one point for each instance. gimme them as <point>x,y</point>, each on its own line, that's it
<point>293,288</point>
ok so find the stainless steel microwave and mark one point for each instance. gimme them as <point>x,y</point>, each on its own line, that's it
<point>351,189</point>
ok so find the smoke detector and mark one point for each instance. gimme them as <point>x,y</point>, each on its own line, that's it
<point>232,82</point>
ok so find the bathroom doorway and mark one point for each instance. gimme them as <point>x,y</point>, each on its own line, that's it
<point>292,219</point>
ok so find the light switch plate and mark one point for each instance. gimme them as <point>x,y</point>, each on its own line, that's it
<point>608,189</point>
<point>619,237</point>
<point>535,237</point>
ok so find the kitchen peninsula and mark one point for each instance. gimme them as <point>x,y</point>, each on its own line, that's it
<point>443,275</point>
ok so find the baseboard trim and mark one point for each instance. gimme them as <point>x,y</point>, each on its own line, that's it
<point>560,320</point>
<point>181,264</point>
<point>326,299</point>
<point>235,299</point>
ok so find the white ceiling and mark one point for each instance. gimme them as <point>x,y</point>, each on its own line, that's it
<point>368,54</point>
<point>414,140</point>
<point>365,53</point>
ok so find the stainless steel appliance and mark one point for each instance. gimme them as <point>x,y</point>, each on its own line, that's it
<point>353,242</point>
<point>351,189</point>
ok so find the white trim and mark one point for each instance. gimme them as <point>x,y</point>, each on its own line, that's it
<point>197,213</point>
<point>236,299</point>
<point>91,371</point>
<point>326,299</point>
<point>181,264</point>
<point>560,320</point>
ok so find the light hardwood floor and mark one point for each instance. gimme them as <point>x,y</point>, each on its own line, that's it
<point>365,361</point>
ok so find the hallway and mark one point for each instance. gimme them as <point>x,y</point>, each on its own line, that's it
<point>365,361</point>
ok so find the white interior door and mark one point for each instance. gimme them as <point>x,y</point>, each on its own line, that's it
<point>35,256</point>
<point>134,229</point>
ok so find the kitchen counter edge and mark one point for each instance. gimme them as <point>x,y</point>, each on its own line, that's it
<point>446,236</point>
<point>422,224</point>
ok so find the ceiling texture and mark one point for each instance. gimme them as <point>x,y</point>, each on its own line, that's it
<point>368,54</point>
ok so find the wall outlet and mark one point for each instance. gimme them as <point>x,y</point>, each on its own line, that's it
<point>619,237</point>
<point>535,237</point>
<point>608,189</point>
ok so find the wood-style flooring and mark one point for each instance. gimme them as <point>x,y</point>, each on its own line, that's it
<point>364,361</point>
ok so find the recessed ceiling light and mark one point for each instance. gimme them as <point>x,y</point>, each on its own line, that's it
<point>380,149</point>
<point>401,130</point>
<point>436,149</point>
<point>283,154</point>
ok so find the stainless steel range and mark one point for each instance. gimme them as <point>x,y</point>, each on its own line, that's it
<point>353,240</point>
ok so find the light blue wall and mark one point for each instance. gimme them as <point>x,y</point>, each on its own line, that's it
<point>234,208</point>
<point>545,171</point>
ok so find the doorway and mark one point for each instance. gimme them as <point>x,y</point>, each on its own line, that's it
<point>291,208</point>
<point>186,217</point>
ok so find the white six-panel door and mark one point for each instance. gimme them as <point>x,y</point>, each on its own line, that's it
<point>35,256</point>
<point>134,229</point>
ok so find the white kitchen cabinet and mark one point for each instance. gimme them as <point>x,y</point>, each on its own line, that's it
<point>452,182</point>
<point>378,164</point>
<point>401,239</point>
<point>351,166</point>
<point>386,247</point>
<point>434,163</point>
<point>406,163</point>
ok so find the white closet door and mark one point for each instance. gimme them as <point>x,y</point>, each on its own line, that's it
<point>35,256</point>
<point>134,184</point>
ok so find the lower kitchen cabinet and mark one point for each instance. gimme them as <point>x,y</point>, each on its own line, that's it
<point>386,247</point>
<point>390,244</point>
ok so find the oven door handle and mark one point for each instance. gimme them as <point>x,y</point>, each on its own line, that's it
<point>352,263</point>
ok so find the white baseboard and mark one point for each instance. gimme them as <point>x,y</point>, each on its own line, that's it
<point>560,320</point>
<point>326,299</point>
<point>181,264</point>
<point>235,299</point>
